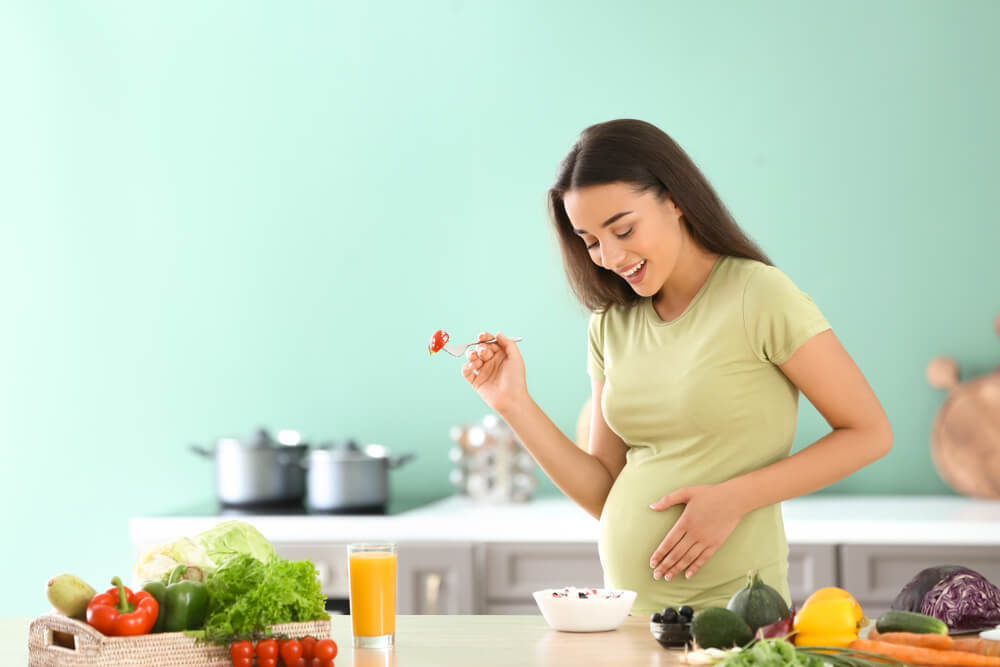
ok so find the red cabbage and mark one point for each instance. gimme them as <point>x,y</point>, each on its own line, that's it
<point>912,595</point>
<point>964,600</point>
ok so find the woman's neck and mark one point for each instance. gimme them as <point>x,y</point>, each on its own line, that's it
<point>694,264</point>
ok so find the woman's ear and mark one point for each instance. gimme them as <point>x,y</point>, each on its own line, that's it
<point>672,206</point>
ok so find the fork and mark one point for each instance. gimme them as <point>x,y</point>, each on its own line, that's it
<point>458,350</point>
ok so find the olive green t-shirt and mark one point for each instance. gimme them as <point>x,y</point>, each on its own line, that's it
<point>699,400</point>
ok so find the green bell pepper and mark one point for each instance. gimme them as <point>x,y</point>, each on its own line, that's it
<point>183,604</point>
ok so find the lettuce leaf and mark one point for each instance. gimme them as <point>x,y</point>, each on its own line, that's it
<point>247,596</point>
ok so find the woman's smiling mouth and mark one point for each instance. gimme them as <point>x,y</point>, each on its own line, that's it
<point>636,273</point>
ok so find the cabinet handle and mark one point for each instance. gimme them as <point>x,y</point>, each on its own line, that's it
<point>432,593</point>
<point>323,573</point>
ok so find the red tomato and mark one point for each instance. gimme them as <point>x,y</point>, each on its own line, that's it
<point>291,651</point>
<point>267,649</point>
<point>308,647</point>
<point>242,653</point>
<point>326,649</point>
<point>267,662</point>
<point>438,340</point>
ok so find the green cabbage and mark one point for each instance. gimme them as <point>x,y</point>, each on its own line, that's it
<point>208,550</point>
<point>157,562</point>
<point>231,538</point>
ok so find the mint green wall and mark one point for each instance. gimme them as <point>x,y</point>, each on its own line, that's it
<point>216,215</point>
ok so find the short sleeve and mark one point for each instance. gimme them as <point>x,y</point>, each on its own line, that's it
<point>595,355</point>
<point>778,316</point>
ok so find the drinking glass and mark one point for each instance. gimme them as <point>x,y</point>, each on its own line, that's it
<point>372,578</point>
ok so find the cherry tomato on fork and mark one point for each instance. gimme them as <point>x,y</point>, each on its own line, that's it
<point>438,340</point>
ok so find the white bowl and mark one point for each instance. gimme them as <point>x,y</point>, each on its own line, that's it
<point>574,614</point>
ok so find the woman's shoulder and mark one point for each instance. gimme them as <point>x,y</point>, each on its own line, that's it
<point>756,276</point>
<point>745,267</point>
<point>769,290</point>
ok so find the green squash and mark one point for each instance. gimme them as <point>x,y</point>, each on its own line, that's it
<point>758,604</point>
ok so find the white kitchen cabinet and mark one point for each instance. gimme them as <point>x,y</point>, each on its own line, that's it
<point>436,578</point>
<point>875,574</point>
<point>810,566</point>
<point>431,578</point>
<point>514,570</point>
<point>470,557</point>
<point>499,578</point>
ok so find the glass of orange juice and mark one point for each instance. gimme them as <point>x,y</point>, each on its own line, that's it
<point>372,577</point>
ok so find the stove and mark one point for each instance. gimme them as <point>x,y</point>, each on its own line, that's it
<point>297,509</point>
<point>213,507</point>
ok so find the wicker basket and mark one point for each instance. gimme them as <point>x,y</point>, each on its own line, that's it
<point>54,639</point>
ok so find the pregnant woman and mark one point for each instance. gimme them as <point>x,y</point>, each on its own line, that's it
<point>698,350</point>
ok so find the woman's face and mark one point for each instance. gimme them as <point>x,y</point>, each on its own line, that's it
<point>637,235</point>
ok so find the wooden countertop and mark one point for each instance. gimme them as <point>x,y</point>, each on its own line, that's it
<point>459,641</point>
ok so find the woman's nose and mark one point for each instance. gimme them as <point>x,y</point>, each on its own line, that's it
<point>611,254</point>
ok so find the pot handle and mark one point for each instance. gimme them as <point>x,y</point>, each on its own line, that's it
<point>198,449</point>
<point>395,462</point>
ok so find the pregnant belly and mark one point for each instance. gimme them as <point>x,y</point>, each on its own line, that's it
<point>630,532</point>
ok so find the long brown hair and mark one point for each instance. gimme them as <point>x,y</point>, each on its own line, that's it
<point>641,154</point>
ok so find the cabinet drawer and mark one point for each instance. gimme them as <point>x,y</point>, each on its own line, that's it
<point>330,560</point>
<point>514,571</point>
<point>436,578</point>
<point>810,566</point>
<point>875,574</point>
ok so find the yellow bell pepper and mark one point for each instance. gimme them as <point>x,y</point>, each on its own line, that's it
<point>830,622</point>
<point>834,593</point>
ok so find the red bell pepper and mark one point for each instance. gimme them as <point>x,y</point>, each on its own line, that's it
<point>119,612</point>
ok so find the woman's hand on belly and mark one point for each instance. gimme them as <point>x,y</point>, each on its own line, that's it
<point>709,517</point>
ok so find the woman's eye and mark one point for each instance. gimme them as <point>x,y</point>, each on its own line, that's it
<point>591,246</point>
<point>625,233</point>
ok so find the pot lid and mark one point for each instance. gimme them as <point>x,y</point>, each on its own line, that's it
<point>348,450</point>
<point>287,438</point>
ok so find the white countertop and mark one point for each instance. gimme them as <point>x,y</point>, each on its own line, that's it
<point>819,519</point>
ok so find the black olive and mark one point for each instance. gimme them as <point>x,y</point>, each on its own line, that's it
<point>669,615</point>
<point>657,618</point>
<point>583,596</point>
<point>686,612</point>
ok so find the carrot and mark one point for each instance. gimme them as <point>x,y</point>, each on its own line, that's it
<point>944,642</point>
<point>977,645</point>
<point>925,656</point>
<point>925,640</point>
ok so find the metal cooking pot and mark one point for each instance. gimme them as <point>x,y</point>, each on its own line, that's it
<point>346,480</point>
<point>259,472</point>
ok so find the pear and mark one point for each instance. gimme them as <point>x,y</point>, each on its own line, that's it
<point>69,594</point>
